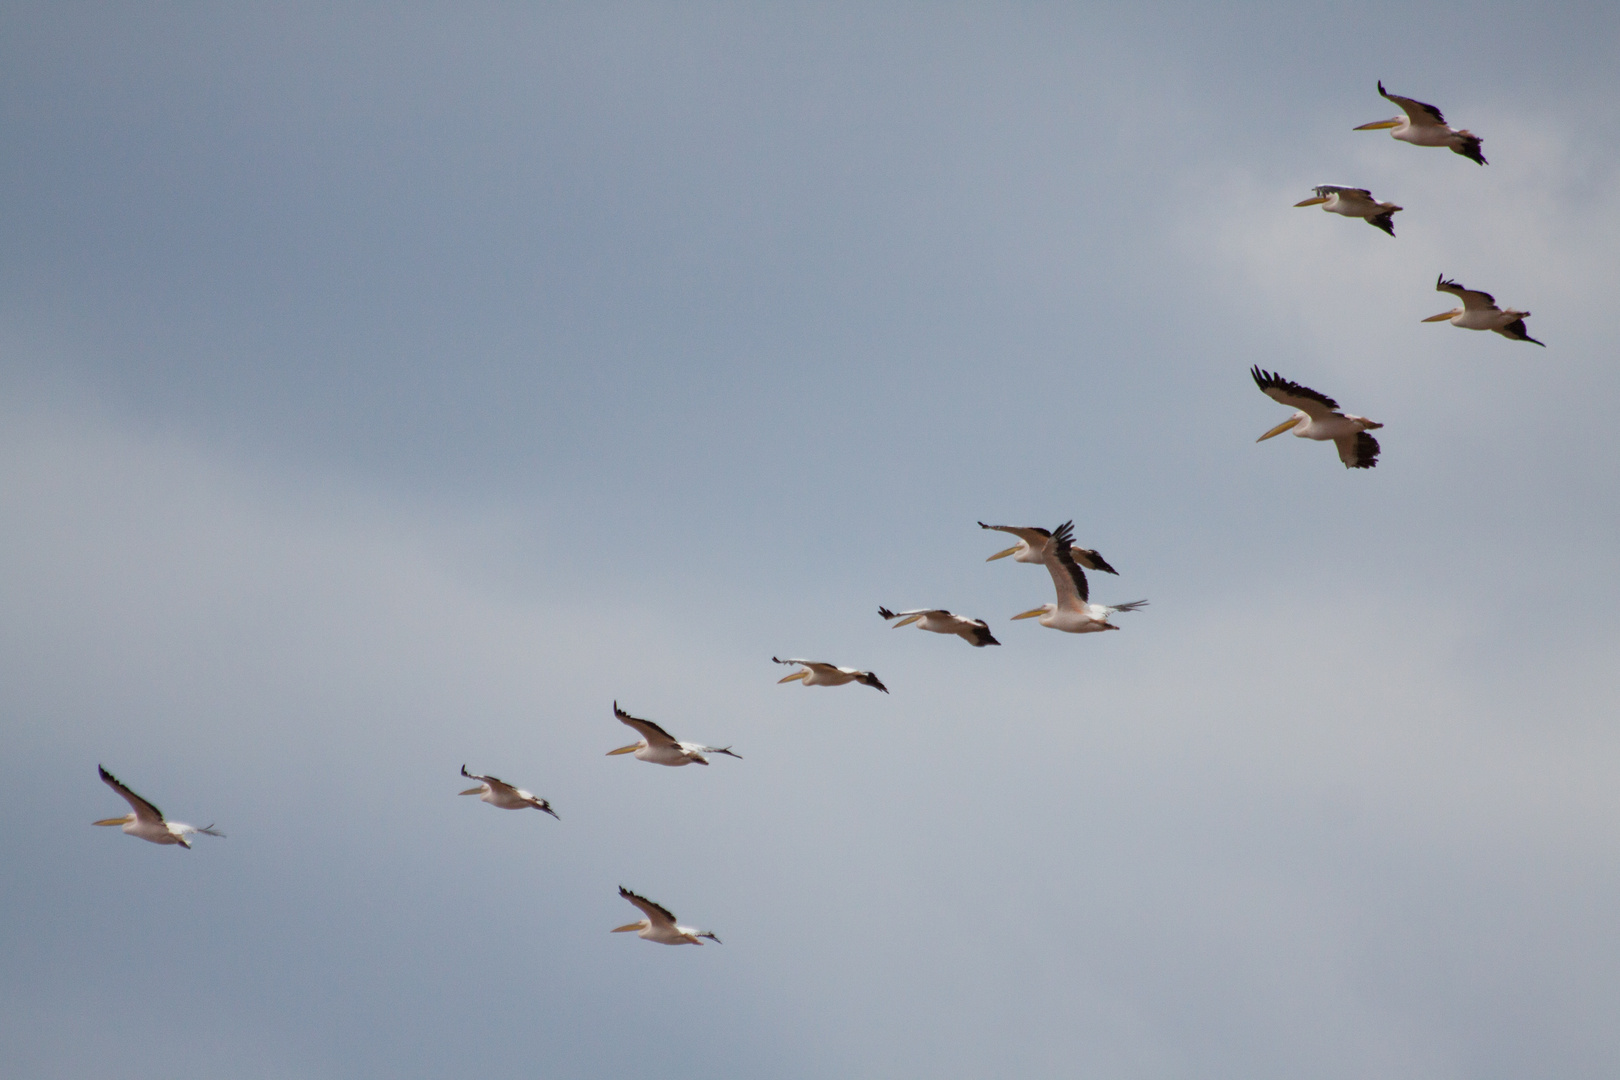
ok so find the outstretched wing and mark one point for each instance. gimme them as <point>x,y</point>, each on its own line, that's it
<point>887,614</point>
<point>1358,451</point>
<point>1067,576</point>
<point>1033,535</point>
<point>144,811</point>
<point>1325,190</point>
<point>1517,331</point>
<point>1472,299</point>
<point>490,780</point>
<point>866,678</point>
<point>1287,392</point>
<point>655,735</point>
<point>656,913</point>
<point>813,665</point>
<point>1421,114</point>
<point>1091,560</point>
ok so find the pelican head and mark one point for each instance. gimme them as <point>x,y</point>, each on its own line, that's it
<point>800,674</point>
<point>1044,609</point>
<point>1313,201</point>
<point>635,927</point>
<point>1445,315</point>
<point>479,790</point>
<point>125,820</point>
<point>632,748</point>
<point>1282,427</point>
<point>1378,125</point>
<point>1003,554</point>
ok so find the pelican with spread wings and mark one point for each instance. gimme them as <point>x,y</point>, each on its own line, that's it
<point>816,673</point>
<point>1354,202</point>
<point>1031,548</point>
<point>973,631</point>
<point>146,821</point>
<point>1479,312</point>
<point>659,924</point>
<point>660,747</point>
<point>500,794</point>
<point>1317,416</point>
<point>1423,125</point>
<point>1074,613</point>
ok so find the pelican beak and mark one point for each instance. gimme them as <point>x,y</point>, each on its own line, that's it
<point>1030,614</point>
<point>625,929</point>
<point>472,791</point>
<point>112,821</point>
<point>907,621</point>
<point>1377,125</point>
<point>1313,202</point>
<point>1444,315</point>
<point>632,748</point>
<point>1279,429</point>
<point>1002,554</point>
<point>790,678</point>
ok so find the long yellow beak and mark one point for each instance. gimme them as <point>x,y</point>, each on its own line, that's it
<point>1031,613</point>
<point>907,621</point>
<point>790,678</point>
<point>1279,429</point>
<point>472,791</point>
<point>1003,554</point>
<point>112,821</point>
<point>632,748</point>
<point>1376,125</point>
<point>1444,316</point>
<point>625,929</point>
<point>1313,202</point>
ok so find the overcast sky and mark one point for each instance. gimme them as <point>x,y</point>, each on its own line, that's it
<point>389,387</point>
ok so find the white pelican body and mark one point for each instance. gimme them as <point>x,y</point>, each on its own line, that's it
<point>1074,613</point>
<point>660,747</point>
<point>1355,202</point>
<point>816,673</point>
<point>1031,548</point>
<point>659,925</point>
<point>1479,312</point>
<point>146,821</point>
<point>1424,126</point>
<point>500,793</point>
<point>1318,417</point>
<point>973,631</point>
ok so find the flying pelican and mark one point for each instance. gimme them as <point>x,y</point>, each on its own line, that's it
<point>500,793</point>
<point>146,821</point>
<point>1355,202</point>
<point>659,925</point>
<point>1424,126</point>
<point>816,673</point>
<point>1031,547</point>
<point>660,747</point>
<point>973,631</point>
<point>1073,613</point>
<point>1318,417</point>
<point>1479,312</point>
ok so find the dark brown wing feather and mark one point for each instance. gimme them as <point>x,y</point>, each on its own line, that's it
<point>1268,381</point>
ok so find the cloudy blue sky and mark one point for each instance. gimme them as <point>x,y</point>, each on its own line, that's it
<point>386,387</point>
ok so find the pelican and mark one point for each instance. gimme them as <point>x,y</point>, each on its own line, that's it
<point>659,925</point>
<point>1031,548</point>
<point>1073,613</point>
<point>1424,126</point>
<point>146,821</point>
<point>1355,202</point>
<point>816,673</point>
<point>660,747</point>
<point>1318,417</point>
<point>973,631</point>
<point>500,793</point>
<point>1479,312</point>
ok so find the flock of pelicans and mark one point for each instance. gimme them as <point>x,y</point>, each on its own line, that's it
<point>1317,416</point>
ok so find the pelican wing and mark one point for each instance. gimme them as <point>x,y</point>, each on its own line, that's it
<point>1286,392</point>
<point>1325,190</point>
<point>656,913</point>
<point>1070,580</point>
<point>1472,299</point>
<point>1358,451</point>
<point>493,782</point>
<point>1091,560</point>
<point>655,735</point>
<point>813,665</point>
<point>1032,535</point>
<point>887,614</point>
<point>144,811</point>
<point>1517,331</point>
<point>1421,114</point>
